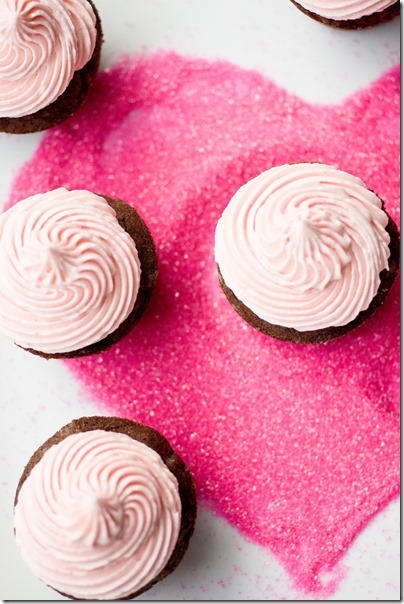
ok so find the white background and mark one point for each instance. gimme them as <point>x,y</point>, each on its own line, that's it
<point>37,397</point>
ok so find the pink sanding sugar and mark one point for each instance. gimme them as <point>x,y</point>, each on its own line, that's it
<point>295,445</point>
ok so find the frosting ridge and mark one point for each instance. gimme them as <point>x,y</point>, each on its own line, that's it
<point>70,274</point>
<point>303,245</point>
<point>345,9</point>
<point>42,44</point>
<point>99,516</point>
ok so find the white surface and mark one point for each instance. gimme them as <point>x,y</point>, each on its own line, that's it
<point>38,397</point>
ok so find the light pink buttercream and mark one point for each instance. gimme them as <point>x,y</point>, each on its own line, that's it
<point>99,516</point>
<point>69,273</point>
<point>42,44</point>
<point>303,246</point>
<point>345,9</point>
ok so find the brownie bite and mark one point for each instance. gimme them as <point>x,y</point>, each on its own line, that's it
<point>305,252</point>
<point>77,272</point>
<point>350,15</point>
<point>119,517</point>
<point>62,39</point>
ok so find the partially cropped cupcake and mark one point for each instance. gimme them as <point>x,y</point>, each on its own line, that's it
<point>104,509</point>
<point>77,271</point>
<point>306,252</point>
<point>346,14</point>
<point>49,55</point>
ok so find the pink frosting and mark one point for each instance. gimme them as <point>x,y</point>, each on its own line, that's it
<point>303,246</point>
<point>99,516</point>
<point>69,273</point>
<point>42,44</point>
<point>345,9</point>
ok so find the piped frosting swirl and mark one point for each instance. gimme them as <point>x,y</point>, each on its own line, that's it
<point>99,516</point>
<point>42,44</point>
<point>70,273</point>
<point>345,9</point>
<point>303,246</point>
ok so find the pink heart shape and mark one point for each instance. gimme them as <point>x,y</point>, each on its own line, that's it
<point>297,446</point>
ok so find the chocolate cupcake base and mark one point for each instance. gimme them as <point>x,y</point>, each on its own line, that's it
<point>288,334</point>
<point>362,23</point>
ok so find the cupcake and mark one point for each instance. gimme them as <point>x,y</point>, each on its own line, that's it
<point>346,14</point>
<point>49,55</point>
<point>104,509</point>
<point>305,252</point>
<point>77,270</point>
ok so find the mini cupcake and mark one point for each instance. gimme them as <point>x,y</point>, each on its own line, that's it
<point>306,252</point>
<point>346,14</point>
<point>49,55</point>
<point>77,270</point>
<point>104,509</point>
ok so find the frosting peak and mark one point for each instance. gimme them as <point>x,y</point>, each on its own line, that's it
<point>310,251</point>
<point>42,44</point>
<point>303,246</point>
<point>13,25</point>
<point>48,264</point>
<point>91,520</point>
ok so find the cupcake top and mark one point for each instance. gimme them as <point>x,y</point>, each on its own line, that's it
<point>69,273</point>
<point>42,44</point>
<point>303,245</point>
<point>345,9</point>
<point>98,516</point>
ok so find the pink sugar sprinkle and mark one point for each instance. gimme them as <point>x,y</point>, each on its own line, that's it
<point>297,446</point>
